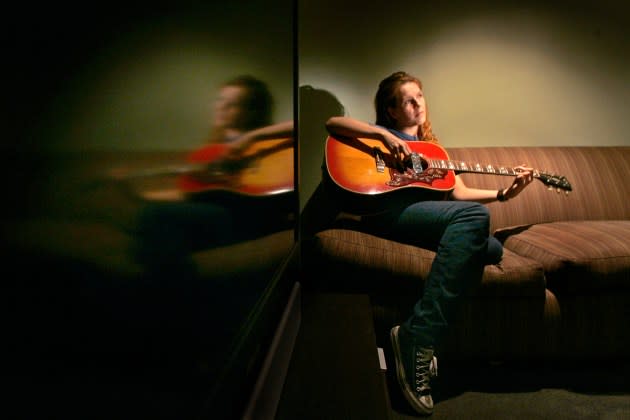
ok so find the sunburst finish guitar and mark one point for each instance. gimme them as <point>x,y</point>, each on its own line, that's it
<point>366,167</point>
<point>265,168</point>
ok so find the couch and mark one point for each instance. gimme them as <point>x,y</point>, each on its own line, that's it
<point>562,289</point>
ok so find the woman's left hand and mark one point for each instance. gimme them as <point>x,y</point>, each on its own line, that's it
<point>523,179</point>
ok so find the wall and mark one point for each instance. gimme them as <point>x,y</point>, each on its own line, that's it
<point>138,76</point>
<point>495,73</point>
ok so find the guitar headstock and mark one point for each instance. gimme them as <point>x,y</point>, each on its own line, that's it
<point>553,181</point>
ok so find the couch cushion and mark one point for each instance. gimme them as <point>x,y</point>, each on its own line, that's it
<point>381,264</point>
<point>514,276</point>
<point>105,248</point>
<point>579,256</point>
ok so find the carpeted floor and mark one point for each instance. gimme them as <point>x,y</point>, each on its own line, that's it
<point>524,392</point>
<point>334,375</point>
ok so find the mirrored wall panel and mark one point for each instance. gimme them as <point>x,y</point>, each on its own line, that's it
<point>151,206</point>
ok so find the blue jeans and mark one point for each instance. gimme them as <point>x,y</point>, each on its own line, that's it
<point>458,231</point>
<point>167,233</point>
<point>170,231</point>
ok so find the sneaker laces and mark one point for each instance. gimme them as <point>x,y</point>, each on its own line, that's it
<point>425,368</point>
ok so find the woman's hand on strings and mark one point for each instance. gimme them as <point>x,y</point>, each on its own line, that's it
<point>398,147</point>
<point>523,179</point>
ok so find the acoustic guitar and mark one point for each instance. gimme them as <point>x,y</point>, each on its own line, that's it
<point>264,169</point>
<point>366,167</point>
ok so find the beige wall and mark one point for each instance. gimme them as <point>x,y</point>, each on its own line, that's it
<point>493,74</point>
<point>161,98</point>
<point>147,79</point>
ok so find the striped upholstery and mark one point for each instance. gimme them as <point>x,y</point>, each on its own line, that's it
<point>578,256</point>
<point>377,263</point>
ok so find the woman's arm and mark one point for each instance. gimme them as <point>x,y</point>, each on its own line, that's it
<point>464,193</point>
<point>461,192</point>
<point>350,127</point>
<point>281,130</point>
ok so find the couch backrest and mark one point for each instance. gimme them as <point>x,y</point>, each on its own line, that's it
<point>597,175</point>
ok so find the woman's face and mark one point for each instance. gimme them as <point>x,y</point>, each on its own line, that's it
<point>410,109</point>
<point>228,107</point>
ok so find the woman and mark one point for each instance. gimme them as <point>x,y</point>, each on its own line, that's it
<point>457,229</point>
<point>242,115</point>
<point>172,224</point>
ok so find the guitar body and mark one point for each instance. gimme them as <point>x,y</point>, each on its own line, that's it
<point>353,166</point>
<point>367,179</point>
<point>266,169</point>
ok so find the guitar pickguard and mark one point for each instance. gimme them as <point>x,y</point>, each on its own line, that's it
<point>399,179</point>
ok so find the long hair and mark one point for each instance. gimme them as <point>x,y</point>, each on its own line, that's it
<point>257,105</point>
<point>387,96</point>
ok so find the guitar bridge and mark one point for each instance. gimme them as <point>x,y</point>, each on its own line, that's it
<point>378,160</point>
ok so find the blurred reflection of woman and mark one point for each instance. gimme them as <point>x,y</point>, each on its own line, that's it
<point>173,224</point>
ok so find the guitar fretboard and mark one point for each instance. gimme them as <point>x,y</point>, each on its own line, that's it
<point>460,166</point>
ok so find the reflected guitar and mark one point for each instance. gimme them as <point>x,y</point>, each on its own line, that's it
<point>265,168</point>
<point>366,167</point>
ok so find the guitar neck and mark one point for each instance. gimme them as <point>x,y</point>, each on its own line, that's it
<point>171,170</point>
<point>459,166</point>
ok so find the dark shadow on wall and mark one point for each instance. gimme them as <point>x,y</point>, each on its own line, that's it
<point>316,106</point>
<point>318,208</point>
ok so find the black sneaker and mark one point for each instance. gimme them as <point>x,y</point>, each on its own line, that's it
<point>414,367</point>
